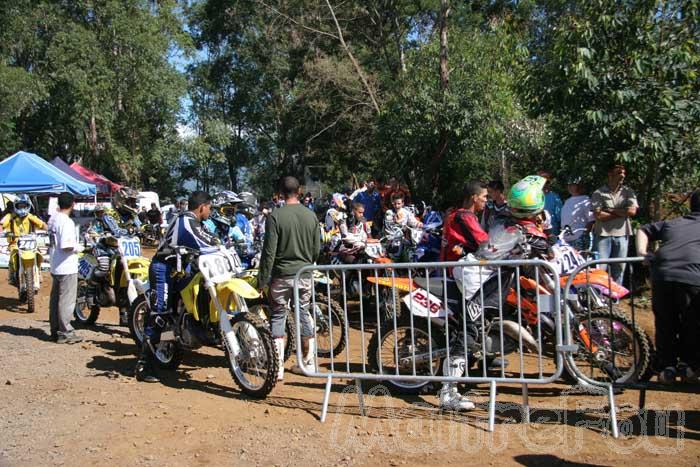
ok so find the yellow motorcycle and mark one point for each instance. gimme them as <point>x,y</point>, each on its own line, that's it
<point>25,254</point>
<point>211,310</point>
<point>107,273</point>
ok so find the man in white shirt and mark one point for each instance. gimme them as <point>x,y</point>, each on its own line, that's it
<point>577,213</point>
<point>64,271</point>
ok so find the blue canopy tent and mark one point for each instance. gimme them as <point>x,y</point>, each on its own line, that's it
<point>24,172</point>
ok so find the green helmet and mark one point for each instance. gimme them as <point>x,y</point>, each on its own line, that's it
<point>526,198</point>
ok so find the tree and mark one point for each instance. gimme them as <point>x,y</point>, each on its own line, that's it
<point>620,81</point>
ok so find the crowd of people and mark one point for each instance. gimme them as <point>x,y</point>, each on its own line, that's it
<point>287,230</point>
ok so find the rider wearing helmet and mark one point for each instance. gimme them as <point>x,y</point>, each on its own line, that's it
<point>125,204</point>
<point>244,213</point>
<point>526,201</point>
<point>104,223</point>
<point>17,223</point>
<point>221,222</point>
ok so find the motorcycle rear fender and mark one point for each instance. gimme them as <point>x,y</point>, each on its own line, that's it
<point>514,330</point>
<point>599,279</point>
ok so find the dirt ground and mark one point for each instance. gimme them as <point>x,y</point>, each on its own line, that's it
<point>79,404</point>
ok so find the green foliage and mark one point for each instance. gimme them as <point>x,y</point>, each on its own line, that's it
<point>91,81</point>
<point>621,81</point>
<point>277,87</point>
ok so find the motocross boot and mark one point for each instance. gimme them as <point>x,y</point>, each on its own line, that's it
<point>450,398</point>
<point>145,367</point>
<point>279,350</point>
<point>309,353</point>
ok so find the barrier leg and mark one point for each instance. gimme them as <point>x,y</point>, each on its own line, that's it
<point>492,406</point>
<point>642,398</point>
<point>360,396</point>
<point>326,397</point>
<point>526,405</point>
<point>613,412</point>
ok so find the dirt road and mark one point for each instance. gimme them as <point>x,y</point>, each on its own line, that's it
<point>78,404</point>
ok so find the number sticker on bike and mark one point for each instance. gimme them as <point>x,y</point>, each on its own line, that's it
<point>26,243</point>
<point>567,258</point>
<point>130,246</point>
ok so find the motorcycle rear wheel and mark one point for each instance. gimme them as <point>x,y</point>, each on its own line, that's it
<point>254,369</point>
<point>81,317</point>
<point>331,337</point>
<point>137,318</point>
<point>386,339</point>
<point>169,355</point>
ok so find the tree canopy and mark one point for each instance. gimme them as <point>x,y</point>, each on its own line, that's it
<point>234,93</point>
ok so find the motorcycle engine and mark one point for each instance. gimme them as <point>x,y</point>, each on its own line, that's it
<point>493,343</point>
<point>190,332</point>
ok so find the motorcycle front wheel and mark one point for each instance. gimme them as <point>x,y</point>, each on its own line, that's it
<point>29,288</point>
<point>82,314</point>
<point>254,369</point>
<point>610,348</point>
<point>398,350</point>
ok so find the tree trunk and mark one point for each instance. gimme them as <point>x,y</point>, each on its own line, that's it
<point>441,147</point>
<point>354,61</point>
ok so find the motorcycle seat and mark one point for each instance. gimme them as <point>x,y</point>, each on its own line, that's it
<point>436,285</point>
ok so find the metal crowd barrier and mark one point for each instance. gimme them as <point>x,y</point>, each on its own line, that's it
<point>524,325</point>
<point>608,385</point>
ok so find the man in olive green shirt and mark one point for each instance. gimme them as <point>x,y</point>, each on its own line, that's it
<point>613,204</point>
<point>292,241</point>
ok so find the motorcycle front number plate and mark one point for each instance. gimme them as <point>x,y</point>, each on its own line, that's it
<point>130,247</point>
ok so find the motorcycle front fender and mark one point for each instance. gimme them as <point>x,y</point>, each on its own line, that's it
<point>28,257</point>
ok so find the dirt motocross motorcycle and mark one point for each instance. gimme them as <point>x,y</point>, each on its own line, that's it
<point>211,310</point>
<point>27,256</point>
<point>607,340</point>
<point>107,271</point>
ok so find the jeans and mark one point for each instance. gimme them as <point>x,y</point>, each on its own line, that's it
<point>612,247</point>
<point>64,291</point>
<point>677,320</point>
<point>281,294</point>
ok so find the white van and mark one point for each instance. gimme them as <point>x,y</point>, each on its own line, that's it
<point>145,198</point>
